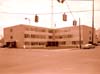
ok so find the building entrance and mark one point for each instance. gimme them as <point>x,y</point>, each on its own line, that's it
<point>52,44</point>
<point>10,44</point>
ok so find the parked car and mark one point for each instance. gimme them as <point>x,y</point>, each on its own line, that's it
<point>88,46</point>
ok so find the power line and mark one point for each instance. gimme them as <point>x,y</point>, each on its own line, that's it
<point>70,10</point>
<point>10,13</point>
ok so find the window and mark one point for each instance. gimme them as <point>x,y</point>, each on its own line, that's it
<point>90,32</point>
<point>27,43</point>
<point>32,29</point>
<point>50,37</point>
<point>27,29</point>
<point>42,37</point>
<point>11,30</point>
<point>33,36</point>
<point>43,30</point>
<point>34,43</point>
<point>79,42</point>
<point>63,43</point>
<point>39,30</point>
<point>60,37</point>
<point>26,36</point>
<point>41,43</point>
<point>69,36</point>
<point>50,31</point>
<point>90,38</point>
<point>65,30</point>
<point>11,37</point>
<point>74,42</point>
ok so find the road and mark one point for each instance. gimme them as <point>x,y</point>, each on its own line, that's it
<point>42,61</point>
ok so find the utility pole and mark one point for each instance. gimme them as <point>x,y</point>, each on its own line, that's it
<point>92,21</point>
<point>79,35</point>
<point>52,14</point>
<point>52,20</point>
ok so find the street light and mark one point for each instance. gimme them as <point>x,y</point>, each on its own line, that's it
<point>28,20</point>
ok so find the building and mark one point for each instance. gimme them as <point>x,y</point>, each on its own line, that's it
<point>98,35</point>
<point>26,36</point>
<point>1,42</point>
<point>70,36</point>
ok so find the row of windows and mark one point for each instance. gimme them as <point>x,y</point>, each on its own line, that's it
<point>43,37</point>
<point>36,29</point>
<point>57,31</point>
<point>34,43</point>
<point>34,36</point>
<point>62,43</point>
<point>41,30</point>
<point>44,30</point>
<point>44,43</point>
<point>32,29</point>
<point>64,36</point>
<point>76,42</point>
<point>41,43</point>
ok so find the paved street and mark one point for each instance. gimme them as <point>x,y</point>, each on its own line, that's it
<point>42,61</point>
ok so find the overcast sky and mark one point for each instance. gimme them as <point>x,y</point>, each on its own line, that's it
<point>13,12</point>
